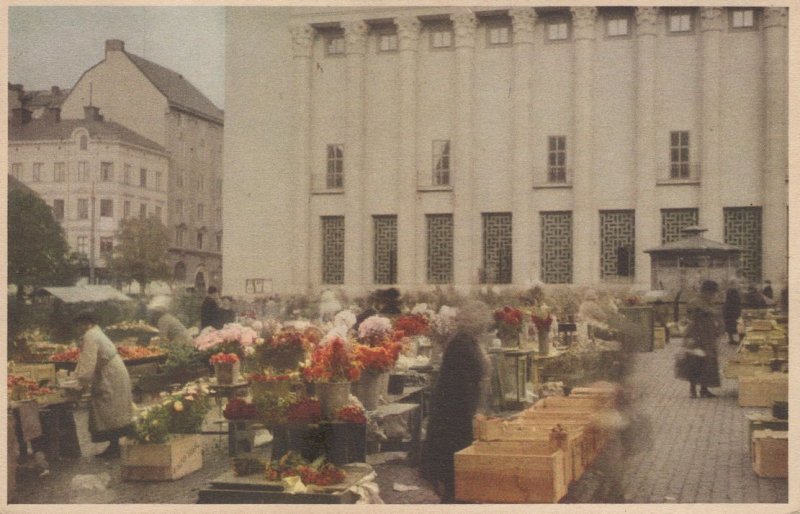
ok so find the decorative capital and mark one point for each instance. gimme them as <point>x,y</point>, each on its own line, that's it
<point>523,20</point>
<point>583,19</point>
<point>302,36</point>
<point>464,25</point>
<point>355,36</point>
<point>407,31</point>
<point>775,17</point>
<point>711,18</point>
<point>646,21</point>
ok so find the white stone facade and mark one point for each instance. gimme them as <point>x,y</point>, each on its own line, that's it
<point>608,125</point>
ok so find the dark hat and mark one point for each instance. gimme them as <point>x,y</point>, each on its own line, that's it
<point>709,286</point>
<point>85,317</point>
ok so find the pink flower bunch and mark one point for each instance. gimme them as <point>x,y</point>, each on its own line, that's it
<point>375,329</point>
<point>209,338</point>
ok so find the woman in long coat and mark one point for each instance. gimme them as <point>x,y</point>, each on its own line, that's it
<point>101,369</point>
<point>700,341</point>
<point>455,400</point>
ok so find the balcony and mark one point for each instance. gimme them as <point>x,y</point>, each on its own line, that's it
<point>552,177</point>
<point>678,174</point>
<point>435,181</point>
<point>327,183</point>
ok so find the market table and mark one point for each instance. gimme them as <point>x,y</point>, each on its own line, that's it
<point>59,433</point>
<point>228,488</point>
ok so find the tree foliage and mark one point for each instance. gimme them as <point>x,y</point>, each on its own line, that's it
<point>140,252</point>
<point>38,253</point>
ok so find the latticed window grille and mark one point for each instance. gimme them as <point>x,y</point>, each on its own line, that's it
<point>333,249</point>
<point>617,244</point>
<point>496,248</point>
<point>440,248</point>
<point>334,176</point>
<point>675,220</point>
<point>556,254</point>
<point>743,229</point>
<point>385,249</point>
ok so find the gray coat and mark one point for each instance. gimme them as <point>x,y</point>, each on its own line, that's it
<point>101,368</point>
<point>171,330</point>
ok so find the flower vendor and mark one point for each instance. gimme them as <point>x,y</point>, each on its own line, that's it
<point>170,329</point>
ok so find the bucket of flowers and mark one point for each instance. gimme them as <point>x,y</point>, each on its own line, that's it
<point>508,321</point>
<point>282,350</point>
<point>376,362</point>
<point>232,338</point>
<point>226,367</point>
<point>543,321</point>
<point>332,367</point>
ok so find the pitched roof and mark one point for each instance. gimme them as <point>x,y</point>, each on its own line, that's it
<point>86,293</point>
<point>48,130</point>
<point>695,243</point>
<point>45,98</point>
<point>179,92</point>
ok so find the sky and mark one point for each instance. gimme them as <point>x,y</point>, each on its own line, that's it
<point>53,46</point>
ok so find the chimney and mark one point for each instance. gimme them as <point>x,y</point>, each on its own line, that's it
<point>20,116</point>
<point>53,114</point>
<point>92,113</point>
<point>114,45</point>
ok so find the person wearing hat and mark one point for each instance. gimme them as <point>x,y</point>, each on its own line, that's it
<point>100,368</point>
<point>170,329</point>
<point>700,342</point>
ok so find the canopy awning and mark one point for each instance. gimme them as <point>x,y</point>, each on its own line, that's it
<point>85,294</point>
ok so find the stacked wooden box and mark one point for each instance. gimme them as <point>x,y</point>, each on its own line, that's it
<point>181,455</point>
<point>533,457</point>
<point>770,453</point>
<point>762,390</point>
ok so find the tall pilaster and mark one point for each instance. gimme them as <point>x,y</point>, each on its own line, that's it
<point>710,202</point>
<point>302,39</point>
<point>647,216</point>
<point>776,146</point>
<point>587,257</point>
<point>408,272</point>
<point>467,259</point>
<point>356,270</point>
<point>524,19</point>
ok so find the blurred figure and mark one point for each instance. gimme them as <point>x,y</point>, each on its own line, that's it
<point>731,311</point>
<point>700,342</point>
<point>209,310</point>
<point>767,291</point>
<point>170,329</point>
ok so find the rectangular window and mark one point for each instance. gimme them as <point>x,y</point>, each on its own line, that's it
<point>617,27</point>
<point>679,154</point>
<point>143,211</point>
<point>179,179</point>
<point>254,285</point>
<point>16,170</point>
<point>557,30</point>
<point>83,208</point>
<point>385,249</point>
<point>439,261</point>
<point>179,237</point>
<point>83,171</point>
<point>441,163</point>
<point>59,172</point>
<point>126,177</point>
<point>58,209</point>
<point>499,35</point>
<point>84,142</point>
<point>179,207</point>
<point>743,229</point>
<point>441,38</point>
<point>387,42</point>
<point>201,182</point>
<point>334,45</point>
<point>37,172</point>
<point>158,212</point>
<point>332,249</point>
<point>617,244</point>
<point>81,246</point>
<point>126,209</point>
<point>334,177</point>
<point>673,221</point>
<point>106,246</point>
<point>200,237</point>
<point>680,21</point>
<point>201,210</point>
<point>106,208</point>
<point>106,171</point>
<point>742,18</point>
<point>556,247</point>
<point>557,159</point>
<point>497,247</point>
<point>143,177</point>
<point>158,180</point>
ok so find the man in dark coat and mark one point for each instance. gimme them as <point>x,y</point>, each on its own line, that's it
<point>700,342</point>
<point>731,311</point>
<point>210,315</point>
<point>455,401</point>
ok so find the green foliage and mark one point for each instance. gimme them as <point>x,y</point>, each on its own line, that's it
<point>38,254</point>
<point>141,251</point>
<point>190,419</point>
<point>181,357</point>
<point>152,427</point>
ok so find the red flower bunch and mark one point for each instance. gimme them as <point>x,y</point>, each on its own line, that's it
<point>351,414</point>
<point>239,409</point>
<point>313,335</point>
<point>317,472</point>
<point>412,325</point>
<point>508,316</point>
<point>70,355</point>
<point>287,337</point>
<point>379,358</point>
<point>332,363</point>
<point>304,411</point>
<point>260,377</point>
<point>129,352</point>
<point>542,322</point>
<point>219,358</point>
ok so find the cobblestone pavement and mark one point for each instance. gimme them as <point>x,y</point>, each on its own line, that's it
<point>684,451</point>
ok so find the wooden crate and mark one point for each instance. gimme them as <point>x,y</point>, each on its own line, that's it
<point>659,338</point>
<point>573,402</point>
<point>181,455</point>
<point>509,476</point>
<point>770,453</point>
<point>736,368</point>
<point>763,389</point>
<point>758,421</point>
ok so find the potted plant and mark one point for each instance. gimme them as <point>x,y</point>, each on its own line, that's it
<point>375,363</point>
<point>332,367</point>
<point>226,367</point>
